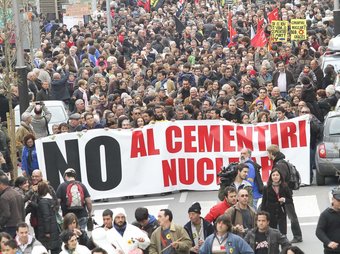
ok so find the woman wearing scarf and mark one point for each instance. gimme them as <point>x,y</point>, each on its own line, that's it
<point>275,195</point>
<point>29,157</point>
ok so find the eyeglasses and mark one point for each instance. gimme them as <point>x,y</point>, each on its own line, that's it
<point>305,112</point>
<point>244,195</point>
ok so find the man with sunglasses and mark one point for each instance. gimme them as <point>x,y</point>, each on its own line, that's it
<point>243,216</point>
<point>328,228</point>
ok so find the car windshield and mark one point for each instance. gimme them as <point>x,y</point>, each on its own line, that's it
<point>333,126</point>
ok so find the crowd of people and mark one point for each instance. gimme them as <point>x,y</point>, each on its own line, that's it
<point>153,66</point>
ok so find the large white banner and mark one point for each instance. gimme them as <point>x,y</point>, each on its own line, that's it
<point>168,156</point>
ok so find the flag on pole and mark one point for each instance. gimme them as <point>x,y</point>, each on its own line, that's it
<point>259,24</point>
<point>273,15</point>
<point>179,25</point>
<point>156,4</point>
<point>260,39</point>
<point>145,4</point>
<point>231,30</point>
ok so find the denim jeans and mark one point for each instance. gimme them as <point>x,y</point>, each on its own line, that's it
<point>82,222</point>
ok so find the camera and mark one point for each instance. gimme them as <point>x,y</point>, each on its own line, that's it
<point>227,174</point>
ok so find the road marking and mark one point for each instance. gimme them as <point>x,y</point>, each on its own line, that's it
<point>314,223</point>
<point>306,206</point>
<point>183,197</point>
<point>131,201</point>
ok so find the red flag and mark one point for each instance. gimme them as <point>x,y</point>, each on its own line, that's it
<point>145,4</point>
<point>232,31</point>
<point>259,25</point>
<point>273,15</point>
<point>259,40</point>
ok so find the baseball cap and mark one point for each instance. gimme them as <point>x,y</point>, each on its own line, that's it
<point>70,171</point>
<point>75,116</point>
<point>336,193</point>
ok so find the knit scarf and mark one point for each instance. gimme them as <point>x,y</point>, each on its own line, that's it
<point>86,102</point>
<point>121,229</point>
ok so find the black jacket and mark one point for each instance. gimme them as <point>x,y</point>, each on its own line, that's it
<point>328,228</point>
<point>319,77</point>
<point>59,89</point>
<point>47,224</point>
<point>281,165</point>
<point>208,229</point>
<point>43,95</point>
<point>4,107</point>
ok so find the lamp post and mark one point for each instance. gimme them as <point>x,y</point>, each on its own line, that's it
<point>20,63</point>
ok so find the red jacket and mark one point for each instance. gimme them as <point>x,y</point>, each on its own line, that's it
<point>216,211</point>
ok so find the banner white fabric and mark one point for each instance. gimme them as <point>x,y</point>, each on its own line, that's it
<point>168,156</point>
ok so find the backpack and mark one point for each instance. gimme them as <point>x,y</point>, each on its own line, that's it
<point>258,178</point>
<point>294,178</point>
<point>75,199</point>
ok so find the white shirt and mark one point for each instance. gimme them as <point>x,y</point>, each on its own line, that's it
<point>282,82</point>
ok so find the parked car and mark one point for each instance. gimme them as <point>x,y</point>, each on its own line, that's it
<point>327,157</point>
<point>332,56</point>
<point>58,110</point>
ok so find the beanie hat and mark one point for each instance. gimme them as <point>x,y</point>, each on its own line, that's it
<point>195,207</point>
<point>252,72</point>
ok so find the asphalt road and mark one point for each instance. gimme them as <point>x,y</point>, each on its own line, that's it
<point>309,201</point>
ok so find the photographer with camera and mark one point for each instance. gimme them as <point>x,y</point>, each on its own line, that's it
<point>235,175</point>
<point>240,181</point>
<point>41,118</point>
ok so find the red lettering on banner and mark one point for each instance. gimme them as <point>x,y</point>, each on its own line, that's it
<point>169,172</point>
<point>171,133</point>
<point>151,143</point>
<point>137,145</point>
<point>189,138</point>
<point>302,133</point>
<point>261,136</point>
<point>273,134</point>
<point>288,131</point>
<point>207,139</point>
<point>203,165</point>
<point>244,138</point>
<point>186,168</point>
<point>266,165</point>
<point>227,138</point>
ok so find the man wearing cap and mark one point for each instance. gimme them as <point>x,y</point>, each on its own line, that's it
<point>74,122</point>
<point>198,228</point>
<point>328,228</point>
<point>124,236</point>
<point>169,238</point>
<point>83,213</point>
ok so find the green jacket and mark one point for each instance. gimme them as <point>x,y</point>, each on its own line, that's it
<point>176,232</point>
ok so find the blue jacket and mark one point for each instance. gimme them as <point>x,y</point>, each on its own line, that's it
<point>234,245</point>
<point>24,161</point>
<point>251,180</point>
